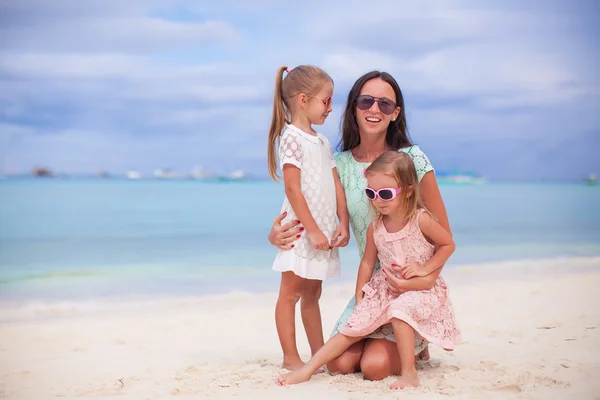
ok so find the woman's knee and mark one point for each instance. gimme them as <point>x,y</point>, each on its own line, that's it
<point>348,362</point>
<point>378,360</point>
<point>342,365</point>
<point>375,369</point>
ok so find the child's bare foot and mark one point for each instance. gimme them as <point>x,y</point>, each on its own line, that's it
<point>424,354</point>
<point>291,378</point>
<point>405,381</point>
<point>292,365</point>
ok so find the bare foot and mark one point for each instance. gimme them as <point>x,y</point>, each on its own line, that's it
<point>292,365</point>
<point>291,378</point>
<point>424,354</point>
<point>405,381</point>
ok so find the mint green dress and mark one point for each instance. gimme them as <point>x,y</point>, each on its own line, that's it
<point>350,172</point>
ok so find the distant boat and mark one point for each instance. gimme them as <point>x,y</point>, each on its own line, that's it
<point>591,180</point>
<point>237,175</point>
<point>460,178</point>
<point>199,173</point>
<point>133,174</point>
<point>233,177</point>
<point>41,173</point>
<point>164,174</point>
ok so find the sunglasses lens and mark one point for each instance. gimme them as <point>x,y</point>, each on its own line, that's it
<point>386,194</point>
<point>364,102</point>
<point>370,193</point>
<point>386,106</point>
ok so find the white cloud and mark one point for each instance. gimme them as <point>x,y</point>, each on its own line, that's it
<point>102,34</point>
<point>152,82</point>
<point>347,64</point>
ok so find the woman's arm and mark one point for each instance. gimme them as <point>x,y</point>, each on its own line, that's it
<point>430,193</point>
<point>432,198</point>
<point>340,197</point>
<point>399,285</point>
<point>441,238</point>
<point>367,264</point>
<point>342,233</point>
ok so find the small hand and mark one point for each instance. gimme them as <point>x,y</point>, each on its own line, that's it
<point>413,269</point>
<point>340,237</point>
<point>319,240</point>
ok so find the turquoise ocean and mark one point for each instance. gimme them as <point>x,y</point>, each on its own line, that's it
<point>74,240</point>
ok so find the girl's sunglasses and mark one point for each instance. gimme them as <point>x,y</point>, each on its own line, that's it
<point>326,100</point>
<point>364,102</point>
<point>384,194</point>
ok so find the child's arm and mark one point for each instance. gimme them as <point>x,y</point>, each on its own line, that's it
<point>342,233</point>
<point>445,247</point>
<point>367,264</point>
<point>291,179</point>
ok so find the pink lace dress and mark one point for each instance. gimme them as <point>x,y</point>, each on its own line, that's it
<point>428,312</point>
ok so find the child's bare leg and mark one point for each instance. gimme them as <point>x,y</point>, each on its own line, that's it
<point>285,318</point>
<point>332,349</point>
<point>311,313</point>
<point>405,341</point>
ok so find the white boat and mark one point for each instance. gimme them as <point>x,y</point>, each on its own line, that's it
<point>237,175</point>
<point>592,180</point>
<point>458,178</point>
<point>133,174</point>
<point>199,173</point>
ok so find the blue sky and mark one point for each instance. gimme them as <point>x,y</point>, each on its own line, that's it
<point>507,89</point>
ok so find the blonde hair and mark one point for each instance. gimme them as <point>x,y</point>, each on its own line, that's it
<point>306,79</point>
<point>400,166</point>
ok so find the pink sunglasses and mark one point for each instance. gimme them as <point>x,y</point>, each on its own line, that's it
<point>384,194</point>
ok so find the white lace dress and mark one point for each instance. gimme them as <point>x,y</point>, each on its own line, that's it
<point>312,154</point>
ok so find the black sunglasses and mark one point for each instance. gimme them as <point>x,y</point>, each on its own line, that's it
<point>364,102</point>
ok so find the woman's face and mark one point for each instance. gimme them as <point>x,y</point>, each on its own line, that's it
<point>372,121</point>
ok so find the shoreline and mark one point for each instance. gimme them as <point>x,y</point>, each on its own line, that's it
<point>466,274</point>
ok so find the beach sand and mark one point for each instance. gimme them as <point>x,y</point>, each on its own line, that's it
<point>531,330</point>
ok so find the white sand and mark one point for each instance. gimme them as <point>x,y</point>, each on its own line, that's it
<point>531,330</point>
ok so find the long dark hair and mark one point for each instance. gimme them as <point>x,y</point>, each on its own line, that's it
<point>397,136</point>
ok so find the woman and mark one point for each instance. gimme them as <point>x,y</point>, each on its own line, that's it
<point>373,122</point>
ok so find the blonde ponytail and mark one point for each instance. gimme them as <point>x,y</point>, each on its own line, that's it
<point>278,120</point>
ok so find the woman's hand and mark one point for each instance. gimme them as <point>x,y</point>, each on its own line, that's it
<point>396,285</point>
<point>283,236</point>
<point>411,270</point>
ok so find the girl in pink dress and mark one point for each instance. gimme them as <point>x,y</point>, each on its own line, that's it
<point>403,233</point>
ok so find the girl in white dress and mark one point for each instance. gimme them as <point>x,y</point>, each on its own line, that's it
<point>314,197</point>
